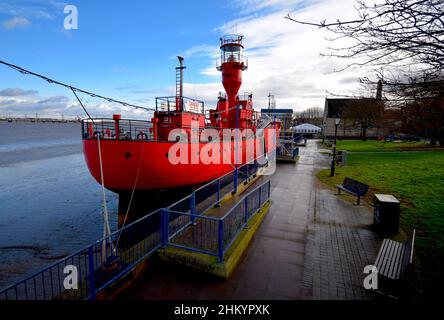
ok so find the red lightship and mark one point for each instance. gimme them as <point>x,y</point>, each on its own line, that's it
<point>136,154</point>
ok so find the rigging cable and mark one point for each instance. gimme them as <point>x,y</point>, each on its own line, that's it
<point>72,88</point>
<point>105,214</point>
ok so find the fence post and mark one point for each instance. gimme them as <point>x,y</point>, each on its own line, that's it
<point>193,206</point>
<point>236,171</point>
<point>91,273</point>
<point>167,226</point>
<point>269,189</point>
<point>221,240</point>
<point>260,197</point>
<point>236,151</point>
<point>164,227</point>
<point>218,193</point>
<point>246,210</point>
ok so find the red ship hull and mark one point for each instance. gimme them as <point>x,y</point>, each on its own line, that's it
<point>124,162</point>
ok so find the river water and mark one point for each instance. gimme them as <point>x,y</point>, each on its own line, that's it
<point>50,205</point>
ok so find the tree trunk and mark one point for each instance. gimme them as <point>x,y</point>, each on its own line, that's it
<point>364,134</point>
<point>433,141</point>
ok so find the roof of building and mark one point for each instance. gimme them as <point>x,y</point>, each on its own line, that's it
<point>306,126</point>
<point>277,111</point>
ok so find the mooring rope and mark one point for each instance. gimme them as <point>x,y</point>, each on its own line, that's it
<point>132,194</point>
<point>106,227</point>
<point>105,214</point>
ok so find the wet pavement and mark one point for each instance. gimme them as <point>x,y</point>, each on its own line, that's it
<point>310,245</point>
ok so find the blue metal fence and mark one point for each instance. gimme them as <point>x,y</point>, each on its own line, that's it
<point>237,218</point>
<point>215,235</point>
<point>182,224</point>
<point>96,266</point>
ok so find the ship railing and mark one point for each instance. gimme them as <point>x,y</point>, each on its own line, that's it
<point>247,96</point>
<point>231,38</point>
<point>135,130</point>
<point>128,129</point>
<point>188,104</point>
<point>185,224</point>
<point>232,58</point>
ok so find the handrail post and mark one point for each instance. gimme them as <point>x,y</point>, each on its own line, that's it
<point>193,206</point>
<point>167,226</point>
<point>91,273</point>
<point>218,193</point>
<point>269,189</point>
<point>246,210</point>
<point>236,149</point>
<point>236,171</point>
<point>260,197</point>
<point>220,241</point>
<point>248,171</point>
<point>164,227</point>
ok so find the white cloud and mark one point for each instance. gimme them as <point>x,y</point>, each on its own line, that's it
<point>32,9</point>
<point>284,57</point>
<point>16,22</point>
<point>200,51</point>
<point>13,92</point>
<point>20,102</point>
<point>247,7</point>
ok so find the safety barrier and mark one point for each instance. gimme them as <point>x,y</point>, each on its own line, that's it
<point>95,267</point>
<point>182,224</point>
<point>211,235</point>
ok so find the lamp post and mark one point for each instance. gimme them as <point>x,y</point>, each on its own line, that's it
<point>332,172</point>
<point>323,131</point>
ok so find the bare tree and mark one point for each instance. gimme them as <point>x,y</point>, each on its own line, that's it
<point>407,38</point>
<point>313,115</point>
<point>395,32</point>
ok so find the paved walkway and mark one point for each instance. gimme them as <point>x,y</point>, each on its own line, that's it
<point>311,245</point>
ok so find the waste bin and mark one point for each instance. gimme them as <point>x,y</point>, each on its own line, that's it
<point>341,157</point>
<point>338,157</point>
<point>344,158</point>
<point>386,214</point>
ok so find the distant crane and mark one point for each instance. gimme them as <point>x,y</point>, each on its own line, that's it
<point>271,101</point>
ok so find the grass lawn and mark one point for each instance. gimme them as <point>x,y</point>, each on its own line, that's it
<point>382,146</point>
<point>416,179</point>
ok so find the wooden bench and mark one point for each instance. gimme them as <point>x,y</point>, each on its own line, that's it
<point>353,187</point>
<point>394,258</point>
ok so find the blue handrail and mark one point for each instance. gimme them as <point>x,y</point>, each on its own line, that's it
<point>99,267</point>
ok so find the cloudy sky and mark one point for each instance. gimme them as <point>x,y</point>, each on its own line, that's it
<point>127,49</point>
